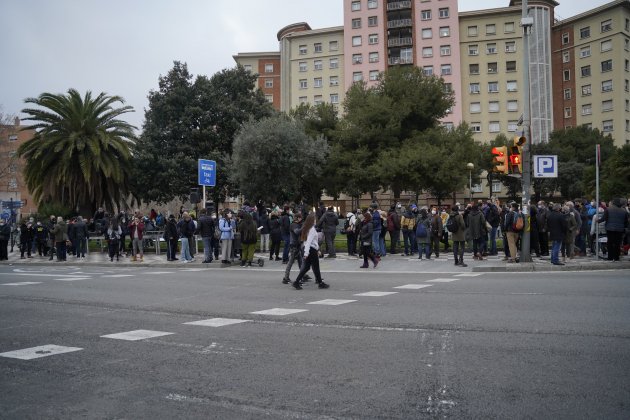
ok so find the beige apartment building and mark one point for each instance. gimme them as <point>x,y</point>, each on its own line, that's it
<point>267,66</point>
<point>592,70</point>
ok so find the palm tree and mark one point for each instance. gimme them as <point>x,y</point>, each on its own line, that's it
<point>80,154</point>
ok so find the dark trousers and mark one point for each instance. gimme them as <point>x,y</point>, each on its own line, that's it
<point>121,243</point>
<point>4,249</point>
<point>41,246</point>
<point>535,242</point>
<point>408,241</point>
<point>274,249</point>
<point>435,244</point>
<point>171,249</point>
<point>445,239</point>
<point>295,253</point>
<point>543,242</point>
<point>114,249</point>
<point>285,250</point>
<point>458,250</point>
<point>25,247</point>
<point>351,238</point>
<point>367,252</point>
<point>329,237</point>
<point>79,247</point>
<point>614,244</point>
<point>394,237</point>
<point>61,251</point>
<point>311,260</point>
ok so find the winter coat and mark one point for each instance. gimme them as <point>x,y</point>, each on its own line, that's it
<point>247,229</point>
<point>557,225</point>
<point>476,224</point>
<point>437,228</point>
<point>460,235</point>
<point>26,233</point>
<point>285,224</point>
<point>60,231</point>
<point>275,230</point>
<point>366,232</point>
<point>328,222</point>
<point>296,231</point>
<point>408,221</point>
<point>393,221</point>
<point>80,231</point>
<point>569,235</point>
<point>170,232</point>
<point>139,230</point>
<point>616,219</point>
<point>186,228</point>
<point>227,228</point>
<point>263,220</point>
<point>427,221</point>
<point>5,232</point>
<point>206,226</point>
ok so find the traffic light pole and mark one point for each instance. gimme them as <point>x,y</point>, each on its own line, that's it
<point>526,23</point>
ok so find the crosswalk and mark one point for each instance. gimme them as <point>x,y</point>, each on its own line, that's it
<point>143,334</point>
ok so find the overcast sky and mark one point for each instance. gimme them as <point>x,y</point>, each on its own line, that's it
<point>121,47</point>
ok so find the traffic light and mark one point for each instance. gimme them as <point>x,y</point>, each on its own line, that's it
<point>516,164</point>
<point>515,154</point>
<point>500,160</point>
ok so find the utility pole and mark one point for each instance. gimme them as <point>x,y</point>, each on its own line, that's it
<point>526,22</point>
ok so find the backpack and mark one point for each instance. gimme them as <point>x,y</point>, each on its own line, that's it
<point>217,230</point>
<point>452,225</point>
<point>421,229</point>
<point>518,222</point>
<point>346,225</point>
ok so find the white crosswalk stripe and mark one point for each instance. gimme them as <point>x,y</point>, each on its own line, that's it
<point>331,302</point>
<point>217,322</point>
<point>136,335</point>
<point>413,286</point>
<point>375,294</point>
<point>39,351</point>
<point>22,283</point>
<point>279,311</point>
<point>441,280</point>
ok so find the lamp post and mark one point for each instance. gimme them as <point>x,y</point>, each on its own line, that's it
<point>470,167</point>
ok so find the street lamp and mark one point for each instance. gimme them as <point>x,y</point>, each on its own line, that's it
<point>470,167</point>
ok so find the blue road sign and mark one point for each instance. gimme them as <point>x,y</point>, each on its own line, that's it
<point>8,204</point>
<point>207,173</point>
<point>545,166</point>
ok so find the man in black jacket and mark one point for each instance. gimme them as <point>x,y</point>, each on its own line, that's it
<point>557,228</point>
<point>616,219</point>
<point>328,224</point>
<point>206,230</point>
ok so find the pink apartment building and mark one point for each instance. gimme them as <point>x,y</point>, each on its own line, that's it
<point>424,33</point>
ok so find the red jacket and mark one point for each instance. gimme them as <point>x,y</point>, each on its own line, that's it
<point>140,227</point>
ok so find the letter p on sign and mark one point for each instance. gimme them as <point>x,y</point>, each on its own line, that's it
<point>545,166</point>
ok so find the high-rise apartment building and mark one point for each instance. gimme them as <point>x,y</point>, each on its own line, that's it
<point>591,70</point>
<point>267,66</point>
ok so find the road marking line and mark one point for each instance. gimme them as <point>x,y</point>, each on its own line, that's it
<point>375,294</point>
<point>118,275</point>
<point>216,322</point>
<point>39,351</point>
<point>413,286</point>
<point>23,283</point>
<point>160,272</point>
<point>441,280</point>
<point>331,302</point>
<point>136,335</point>
<point>468,274</point>
<point>42,275</point>
<point>73,278</point>
<point>279,311</point>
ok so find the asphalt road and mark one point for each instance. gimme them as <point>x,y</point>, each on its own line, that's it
<point>471,345</point>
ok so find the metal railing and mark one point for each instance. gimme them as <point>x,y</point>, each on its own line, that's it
<point>399,5</point>
<point>397,42</point>
<point>400,60</point>
<point>399,23</point>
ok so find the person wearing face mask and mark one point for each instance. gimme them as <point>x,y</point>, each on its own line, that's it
<point>437,229</point>
<point>543,229</point>
<point>5,235</point>
<point>227,226</point>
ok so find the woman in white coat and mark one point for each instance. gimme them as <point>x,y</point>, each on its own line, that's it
<point>311,254</point>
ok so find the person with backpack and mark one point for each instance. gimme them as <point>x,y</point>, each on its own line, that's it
<point>492,217</point>
<point>423,234</point>
<point>351,237</point>
<point>393,228</point>
<point>247,228</point>
<point>206,230</point>
<point>457,227</point>
<point>365,236</point>
<point>512,230</point>
<point>407,225</point>
<point>436,232</point>
<point>476,224</point>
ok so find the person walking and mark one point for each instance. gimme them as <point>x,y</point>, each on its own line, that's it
<point>247,228</point>
<point>616,219</point>
<point>351,235</point>
<point>285,226</point>
<point>365,236</point>
<point>377,225</point>
<point>114,233</point>
<point>557,229</point>
<point>311,254</point>
<point>186,228</point>
<point>206,230</point>
<point>328,225</point>
<point>171,237</point>
<point>227,226</point>
<point>5,235</point>
<point>295,251</point>
<point>136,233</point>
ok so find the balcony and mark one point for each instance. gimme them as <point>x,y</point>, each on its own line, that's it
<point>399,5</point>
<point>399,42</point>
<point>400,23</point>
<point>392,61</point>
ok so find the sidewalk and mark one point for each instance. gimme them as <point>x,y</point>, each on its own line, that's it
<point>343,263</point>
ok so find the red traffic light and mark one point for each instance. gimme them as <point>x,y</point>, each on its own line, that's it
<point>515,159</point>
<point>498,151</point>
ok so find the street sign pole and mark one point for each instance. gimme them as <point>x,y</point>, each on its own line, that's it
<point>596,201</point>
<point>526,23</point>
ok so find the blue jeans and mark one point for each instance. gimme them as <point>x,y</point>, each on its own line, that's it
<point>493,240</point>
<point>376,242</point>
<point>185,250</point>
<point>555,251</point>
<point>382,246</point>
<point>285,250</point>
<point>207,248</point>
<point>408,240</point>
<point>424,248</point>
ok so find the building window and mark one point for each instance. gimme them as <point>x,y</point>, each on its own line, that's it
<point>373,57</point>
<point>269,97</point>
<point>444,13</point>
<point>508,27</point>
<point>493,68</point>
<point>448,126</point>
<point>334,80</point>
<point>247,68</point>
<point>627,27</point>
<point>268,83</point>
<point>445,31</point>
<point>626,44</point>
<point>268,68</point>
<point>491,48</point>
<point>333,63</point>
<point>303,84</point>
<point>607,105</point>
<point>373,75</point>
<point>448,87</point>
<point>355,6</point>
<point>372,4</point>
<point>373,21</point>
<point>607,86</point>
<point>586,90</point>
<point>318,99</point>
<point>356,23</point>
<point>567,112</point>
<point>626,65</point>
<point>566,57</point>
<point>512,126</point>
<point>317,82</point>
<point>473,49</point>
<point>585,71</point>
<point>445,50</point>
<point>333,45</point>
<point>493,106</point>
<point>425,15</point>
<point>334,98</point>
<point>585,32</point>
<point>607,126</point>
<point>373,39</point>
<point>496,186</point>
<point>607,25</point>
<point>512,105</point>
<point>302,100</point>
<point>606,45</point>
<point>512,86</point>
<point>13,137</point>
<point>567,94</point>
<point>357,76</point>
<point>494,127</point>
<point>302,49</point>
<point>473,68</point>
<point>318,64</point>
<point>586,109</point>
<point>356,41</point>
<point>510,66</point>
<point>445,69</point>
<point>357,58</point>
<point>510,47</point>
<point>427,33</point>
<point>607,65</point>
<point>302,66</point>
<point>475,127</point>
<point>493,87</point>
<point>565,38</point>
<point>472,31</point>
<point>474,88</point>
<point>585,51</point>
<point>427,51</point>
<point>427,70</point>
<point>318,47</point>
<point>491,29</point>
<point>626,85</point>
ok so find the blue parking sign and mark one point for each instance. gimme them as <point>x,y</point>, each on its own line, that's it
<point>207,173</point>
<point>545,166</point>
